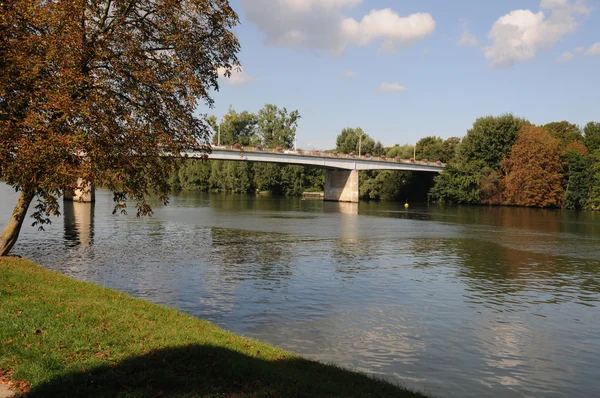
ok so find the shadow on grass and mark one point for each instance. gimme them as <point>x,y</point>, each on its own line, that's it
<point>209,371</point>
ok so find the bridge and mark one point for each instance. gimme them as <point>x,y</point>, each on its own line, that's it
<point>341,170</point>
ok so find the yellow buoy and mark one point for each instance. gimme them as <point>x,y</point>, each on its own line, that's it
<point>406,205</point>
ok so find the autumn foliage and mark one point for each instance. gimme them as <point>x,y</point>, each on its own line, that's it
<point>106,91</point>
<point>533,170</point>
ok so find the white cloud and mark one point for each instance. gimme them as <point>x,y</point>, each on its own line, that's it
<point>389,27</point>
<point>594,49</point>
<point>238,76</point>
<point>391,88</point>
<point>518,35</point>
<point>567,56</point>
<point>467,39</point>
<point>578,50</point>
<point>350,74</point>
<point>321,25</point>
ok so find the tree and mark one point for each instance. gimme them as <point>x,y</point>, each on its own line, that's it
<point>490,139</point>
<point>404,151</point>
<point>276,127</point>
<point>459,183</point>
<point>449,149</point>
<point>472,174</point>
<point>594,198</point>
<point>237,128</point>
<point>105,91</point>
<point>564,132</point>
<point>533,169</point>
<point>577,175</point>
<point>591,133</point>
<point>355,140</point>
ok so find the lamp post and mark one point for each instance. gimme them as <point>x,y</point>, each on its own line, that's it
<point>359,143</point>
<point>219,135</point>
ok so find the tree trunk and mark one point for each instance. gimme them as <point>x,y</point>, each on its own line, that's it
<point>9,236</point>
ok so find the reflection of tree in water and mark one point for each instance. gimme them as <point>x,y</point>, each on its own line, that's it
<point>253,254</point>
<point>242,202</point>
<point>497,274</point>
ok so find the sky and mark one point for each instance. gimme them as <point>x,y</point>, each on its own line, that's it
<point>403,70</point>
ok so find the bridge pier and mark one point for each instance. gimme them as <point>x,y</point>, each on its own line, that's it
<point>85,193</point>
<point>341,186</point>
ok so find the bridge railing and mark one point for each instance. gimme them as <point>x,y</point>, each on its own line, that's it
<point>319,154</point>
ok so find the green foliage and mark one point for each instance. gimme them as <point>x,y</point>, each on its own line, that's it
<point>472,174</point>
<point>380,185</point>
<point>65,338</point>
<point>592,136</point>
<point>404,151</point>
<point>237,128</point>
<point>351,139</point>
<point>277,127</point>
<point>490,139</point>
<point>564,132</point>
<point>193,175</point>
<point>594,198</point>
<point>577,174</point>
<point>435,148</point>
<point>459,183</point>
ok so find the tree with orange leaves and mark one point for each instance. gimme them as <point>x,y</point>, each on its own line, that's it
<point>533,170</point>
<point>106,91</point>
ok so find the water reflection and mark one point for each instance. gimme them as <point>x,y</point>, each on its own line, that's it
<point>254,255</point>
<point>460,301</point>
<point>78,223</point>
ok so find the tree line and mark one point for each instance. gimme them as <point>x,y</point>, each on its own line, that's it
<point>502,160</point>
<point>506,160</point>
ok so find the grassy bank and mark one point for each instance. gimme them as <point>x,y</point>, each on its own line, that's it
<point>69,338</point>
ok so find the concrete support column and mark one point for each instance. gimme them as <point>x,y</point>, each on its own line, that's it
<point>85,193</point>
<point>341,186</point>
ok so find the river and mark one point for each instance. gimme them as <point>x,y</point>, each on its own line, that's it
<point>457,301</point>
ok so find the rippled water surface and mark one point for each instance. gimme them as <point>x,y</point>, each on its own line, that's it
<point>457,301</point>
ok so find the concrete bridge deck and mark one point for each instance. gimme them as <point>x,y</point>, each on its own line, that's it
<point>318,159</point>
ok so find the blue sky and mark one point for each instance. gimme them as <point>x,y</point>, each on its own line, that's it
<point>403,70</point>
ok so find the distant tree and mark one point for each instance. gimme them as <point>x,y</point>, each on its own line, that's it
<point>236,128</point>
<point>577,175</point>
<point>564,131</point>
<point>104,90</point>
<point>533,170</point>
<point>403,151</point>
<point>472,175</point>
<point>431,148</point>
<point>449,149</point>
<point>591,133</point>
<point>276,127</point>
<point>350,139</point>
<point>459,183</point>
<point>594,196</point>
<point>490,139</point>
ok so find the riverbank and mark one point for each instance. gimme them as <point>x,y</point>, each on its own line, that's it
<point>63,337</point>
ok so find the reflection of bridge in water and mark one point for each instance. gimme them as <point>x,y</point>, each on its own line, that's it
<point>341,171</point>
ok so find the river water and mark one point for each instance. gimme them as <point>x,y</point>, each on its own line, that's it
<point>457,301</point>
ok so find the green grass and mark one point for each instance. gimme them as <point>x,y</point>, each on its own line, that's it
<point>69,338</point>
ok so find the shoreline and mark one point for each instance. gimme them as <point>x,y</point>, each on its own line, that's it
<point>63,336</point>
